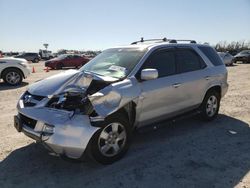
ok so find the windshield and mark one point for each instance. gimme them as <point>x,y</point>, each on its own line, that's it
<point>116,63</point>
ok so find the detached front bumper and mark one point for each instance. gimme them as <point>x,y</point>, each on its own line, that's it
<point>60,131</point>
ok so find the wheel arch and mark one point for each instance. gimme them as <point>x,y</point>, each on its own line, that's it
<point>216,87</point>
<point>130,112</point>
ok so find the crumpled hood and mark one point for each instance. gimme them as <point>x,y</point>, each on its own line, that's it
<point>68,79</point>
<point>50,85</point>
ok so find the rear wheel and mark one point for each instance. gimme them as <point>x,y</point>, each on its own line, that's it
<point>111,142</point>
<point>210,105</point>
<point>12,76</point>
<point>35,60</point>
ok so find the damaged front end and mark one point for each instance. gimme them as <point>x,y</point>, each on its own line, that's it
<point>66,118</point>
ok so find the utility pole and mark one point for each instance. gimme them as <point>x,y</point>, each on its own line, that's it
<point>46,46</point>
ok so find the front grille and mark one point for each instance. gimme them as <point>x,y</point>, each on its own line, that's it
<point>27,121</point>
<point>30,100</point>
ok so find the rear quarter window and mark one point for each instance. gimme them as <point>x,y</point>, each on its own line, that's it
<point>211,55</point>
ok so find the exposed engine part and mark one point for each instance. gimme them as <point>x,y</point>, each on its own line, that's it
<point>76,102</point>
<point>75,99</point>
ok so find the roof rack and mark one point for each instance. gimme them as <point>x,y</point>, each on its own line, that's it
<point>148,40</point>
<point>163,40</point>
<point>184,40</point>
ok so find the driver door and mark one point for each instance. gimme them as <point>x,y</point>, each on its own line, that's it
<point>160,97</point>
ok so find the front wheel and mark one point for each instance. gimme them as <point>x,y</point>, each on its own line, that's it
<point>210,105</point>
<point>12,76</point>
<point>111,142</point>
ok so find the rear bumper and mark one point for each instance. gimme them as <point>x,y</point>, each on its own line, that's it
<point>70,135</point>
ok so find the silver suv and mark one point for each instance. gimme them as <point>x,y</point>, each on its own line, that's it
<point>94,110</point>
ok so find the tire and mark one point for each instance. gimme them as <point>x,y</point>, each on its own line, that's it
<point>59,66</point>
<point>210,105</point>
<point>12,76</point>
<point>105,146</point>
<point>35,60</point>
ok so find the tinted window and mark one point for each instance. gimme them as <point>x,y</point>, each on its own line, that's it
<point>187,61</point>
<point>211,55</point>
<point>163,61</point>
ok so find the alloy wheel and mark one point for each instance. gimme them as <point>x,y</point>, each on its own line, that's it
<point>212,105</point>
<point>112,139</point>
<point>13,77</point>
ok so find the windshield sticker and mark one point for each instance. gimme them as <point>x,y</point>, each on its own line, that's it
<point>117,68</point>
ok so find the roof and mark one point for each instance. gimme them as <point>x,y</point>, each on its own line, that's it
<point>152,44</point>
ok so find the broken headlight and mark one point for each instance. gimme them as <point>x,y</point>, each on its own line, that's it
<point>71,101</point>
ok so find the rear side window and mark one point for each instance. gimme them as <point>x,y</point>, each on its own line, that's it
<point>211,55</point>
<point>163,61</point>
<point>187,61</point>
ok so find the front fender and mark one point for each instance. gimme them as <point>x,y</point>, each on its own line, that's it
<point>115,96</point>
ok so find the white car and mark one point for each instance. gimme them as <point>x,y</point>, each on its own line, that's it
<point>13,70</point>
<point>227,58</point>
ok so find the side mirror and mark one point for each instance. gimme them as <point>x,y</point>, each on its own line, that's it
<point>149,74</point>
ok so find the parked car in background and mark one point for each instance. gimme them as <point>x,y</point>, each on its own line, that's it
<point>34,57</point>
<point>45,54</point>
<point>243,56</point>
<point>10,54</point>
<point>67,60</point>
<point>13,70</point>
<point>94,110</point>
<point>227,58</point>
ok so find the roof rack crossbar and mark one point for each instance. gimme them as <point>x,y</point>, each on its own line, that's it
<point>186,40</point>
<point>164,40</point>
<point>148,40</point>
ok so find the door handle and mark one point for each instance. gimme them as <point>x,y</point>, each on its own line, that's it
<point>207,77</point>
<point>176,85</point>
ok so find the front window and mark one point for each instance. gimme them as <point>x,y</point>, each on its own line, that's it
<point>117,63</point>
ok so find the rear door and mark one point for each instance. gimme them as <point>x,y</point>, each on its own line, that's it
<point>27,56</point>
<point>77,61</point>
<point>67,62</point>
<point>192,72</point>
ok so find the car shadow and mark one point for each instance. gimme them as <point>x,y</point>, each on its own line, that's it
<point>4,86</point>
<point>187,153</point>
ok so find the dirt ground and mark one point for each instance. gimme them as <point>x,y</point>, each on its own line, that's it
<point>188,153</point>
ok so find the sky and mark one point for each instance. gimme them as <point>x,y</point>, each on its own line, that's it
<point>96,25</point>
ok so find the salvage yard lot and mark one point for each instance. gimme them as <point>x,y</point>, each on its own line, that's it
<point>188,153</point>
